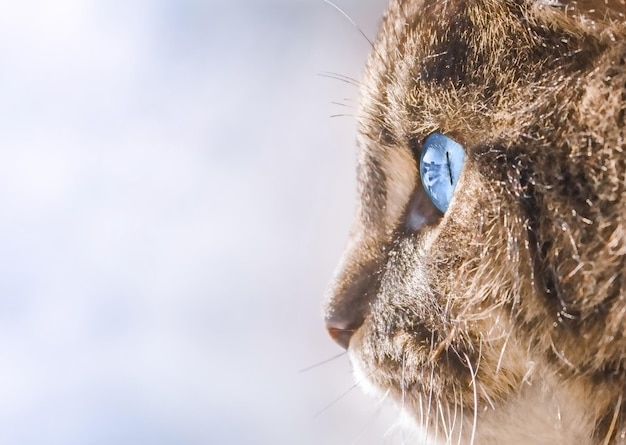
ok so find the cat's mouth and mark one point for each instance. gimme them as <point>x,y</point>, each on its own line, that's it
<point>422,380</point>
<point>411,364</point>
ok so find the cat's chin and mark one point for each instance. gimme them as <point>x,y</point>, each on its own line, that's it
<point>362,377</point>
<point>545,410</point>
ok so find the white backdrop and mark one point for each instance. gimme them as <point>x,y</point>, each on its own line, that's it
<point>174,198</point>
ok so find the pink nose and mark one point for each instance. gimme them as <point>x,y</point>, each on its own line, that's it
<point>341,335</point>
<point>346,316</point>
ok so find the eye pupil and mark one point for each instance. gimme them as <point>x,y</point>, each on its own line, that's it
<point>449,167</point>
<point>441,163</point>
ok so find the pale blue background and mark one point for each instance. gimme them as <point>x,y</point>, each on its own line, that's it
<point>174,197</point>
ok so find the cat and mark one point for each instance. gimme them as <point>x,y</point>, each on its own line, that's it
<point>483,288</point>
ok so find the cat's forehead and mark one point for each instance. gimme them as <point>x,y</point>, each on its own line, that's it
<point>473,69</point>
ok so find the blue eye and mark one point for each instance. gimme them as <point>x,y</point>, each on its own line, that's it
<point>441,163</point>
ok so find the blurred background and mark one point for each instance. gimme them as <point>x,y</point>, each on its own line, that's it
<point>174,198</point>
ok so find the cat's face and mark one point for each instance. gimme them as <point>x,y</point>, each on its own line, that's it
<point>512,302</point>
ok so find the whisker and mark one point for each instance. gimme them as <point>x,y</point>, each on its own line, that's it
<point>437,423</point>
<point>435,353</point>
<point>421,410</point>
<point>370,423</point>
<point>443,421</point>
<point>453,427</point>
<point>562,357</point>
<point>339,77</point>
<point>342,115</point>
<point>393,430</point>
<point>469,364</point>
<point>487,397</point>
<point>317,365</point>
<point>607,440</point>
<point>335,401</point>
<point>320,412</point>
<point>403,388</point>
<point>350,20</point>
<point>462,420</point>
<point>450,423</point>
<point>430,395</point>
<point>506,342</point>
<point>341,104</point>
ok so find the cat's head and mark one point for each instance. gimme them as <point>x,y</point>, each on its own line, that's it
<point>514,297</point>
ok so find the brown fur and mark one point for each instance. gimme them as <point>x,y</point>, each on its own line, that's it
<point>518,292</point>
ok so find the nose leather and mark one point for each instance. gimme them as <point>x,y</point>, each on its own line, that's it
<point>341,336</point>
<point>341,329</point>
<point>348,305</point>
<point>347,315</point>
